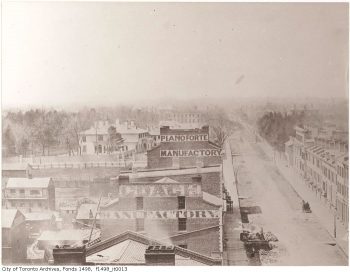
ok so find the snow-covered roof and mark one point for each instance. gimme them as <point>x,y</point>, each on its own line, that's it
<point>211,199</point>
<point>7,217</point>
<point>68,235</point>
<point>28,183</point>
<point>129,248</point>
<point>14,166</point>
<point>38,216</point>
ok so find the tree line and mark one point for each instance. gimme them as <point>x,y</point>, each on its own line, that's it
<point>276,127</point>
<point>51,132</point>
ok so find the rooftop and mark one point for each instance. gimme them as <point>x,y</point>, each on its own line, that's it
<point>7,217</point>
<point>28,183</point>
<point>129,248</point>
<point>173,172</point>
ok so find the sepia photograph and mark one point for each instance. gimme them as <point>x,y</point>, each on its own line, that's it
<point>174,134</point>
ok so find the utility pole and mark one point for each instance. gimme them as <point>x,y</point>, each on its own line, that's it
<point>335,222</point>
<point>94,222</point>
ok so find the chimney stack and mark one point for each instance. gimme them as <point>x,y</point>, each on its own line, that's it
<point>160,256</point>
<point>67,255</point>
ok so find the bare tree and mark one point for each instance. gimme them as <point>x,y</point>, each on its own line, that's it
<point>221,127</point>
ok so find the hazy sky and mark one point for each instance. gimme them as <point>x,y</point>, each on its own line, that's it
<point>93,53</point>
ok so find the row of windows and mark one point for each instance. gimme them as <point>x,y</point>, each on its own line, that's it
<point>180,199</point>
<point>343,172</point>
<point>28,204</point>
<point>22,192</point>
<point>343,190</point>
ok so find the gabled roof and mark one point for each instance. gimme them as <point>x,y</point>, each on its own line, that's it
<point>28,183</point>
<point>166,180</point>
<point>39,216</point>
<point>129,248</point>
<point>7,217</point>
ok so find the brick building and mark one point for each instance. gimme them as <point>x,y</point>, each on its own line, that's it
<point>180,148</point>
<point>182,206</point>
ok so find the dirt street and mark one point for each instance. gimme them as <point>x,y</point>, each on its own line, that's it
<point>302,238</point>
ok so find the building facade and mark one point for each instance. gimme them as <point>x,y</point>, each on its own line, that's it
<point>183,206</point>
<point>181,148</point>
<point>14,237</point>
<point>323,164</point>
<point>30,194</point>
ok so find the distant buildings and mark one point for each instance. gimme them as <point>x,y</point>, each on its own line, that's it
<point>127,137</point>
<point>30,194</point>
<point>189,119</point>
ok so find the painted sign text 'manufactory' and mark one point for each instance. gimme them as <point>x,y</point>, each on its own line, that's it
<point>191,153</point>
<point>159,190</point>
<point>184,138</point>
<point>159,214</point>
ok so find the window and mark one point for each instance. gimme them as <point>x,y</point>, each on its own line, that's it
<point>183,246</point>
<point>140,224</point>
<point>12,191</point>
<point>181,202</point>
<point>84,148</point>
<point>182,224</point>
<point>34,192</point>
<point>139,203</point>
<point>100,137</point>
<point>84,139</point>
<point>21,191</point>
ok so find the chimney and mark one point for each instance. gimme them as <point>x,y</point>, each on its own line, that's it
<point>67,255</point>
<point>197,179</point>
<point>160,255</point>
<point>123,179</point>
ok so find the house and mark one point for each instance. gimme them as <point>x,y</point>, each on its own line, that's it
<point>30,194</point>
<point>100,139</point>
<point>14,237</point>
<point>127,138</point>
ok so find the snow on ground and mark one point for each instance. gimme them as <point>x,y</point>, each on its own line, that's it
<point>302,239</point>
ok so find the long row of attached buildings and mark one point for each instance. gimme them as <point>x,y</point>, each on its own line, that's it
<point>174,207</point>
<point>321,158</point>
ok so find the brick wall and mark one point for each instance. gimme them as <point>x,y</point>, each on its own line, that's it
<point>111,228</point>
<point>205,242</point>
<point>211,182</point>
